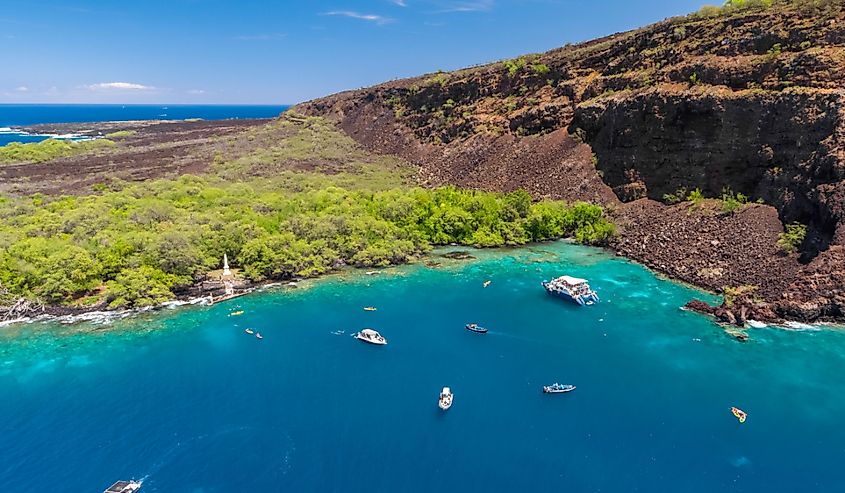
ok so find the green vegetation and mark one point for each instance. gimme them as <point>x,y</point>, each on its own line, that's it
<point>46,150</point>
<point>136,246</point>
<point>120,134</point>
<point>675,198</point>
<point>792,237</point>
<point>696,198</point>
<point>694,79</point>
<point>540,68</point>
<point>732,294</point>
<point>775,51</point>
<point>515,65</point>
<point>440,79</point>
<point>732,201</point>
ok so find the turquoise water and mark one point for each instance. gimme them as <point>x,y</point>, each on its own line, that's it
<point>188,401</point>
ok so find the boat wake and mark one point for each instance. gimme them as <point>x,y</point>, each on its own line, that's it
<point>189,448</point>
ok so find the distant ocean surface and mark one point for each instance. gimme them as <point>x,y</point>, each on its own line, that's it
<point>12,115</point>
<point>188,401</point>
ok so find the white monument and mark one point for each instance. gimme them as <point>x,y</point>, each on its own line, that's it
<point>226,271</point>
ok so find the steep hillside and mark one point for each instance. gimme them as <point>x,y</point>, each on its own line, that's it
<point>746,100</point>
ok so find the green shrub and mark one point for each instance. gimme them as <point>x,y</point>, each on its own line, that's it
<point>694,79</point>
<point>792,237</point>
<point>515,65</point>
<point>696,197</point>
<point>674,198</point>
<point>775,51</point>
<point>121,133</point>
<point>732,201</point>
<point>46,150</point>
<point>540,68</point>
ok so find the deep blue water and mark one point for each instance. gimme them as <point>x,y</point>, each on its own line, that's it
<point>30,114</point>
<point>188,401</point>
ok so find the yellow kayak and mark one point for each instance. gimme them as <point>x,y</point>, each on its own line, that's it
<point>370,308</point>
<point>235,314</point>
<point>739,413</point>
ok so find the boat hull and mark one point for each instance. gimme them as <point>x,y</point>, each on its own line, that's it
<point>476,329</point>
<point>578,300</point>
<point>371,341</point>
<point>550,390</point>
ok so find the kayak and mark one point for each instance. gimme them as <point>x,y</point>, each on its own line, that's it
<point>739,413</point>
<point>235,314</point>
<point>476,328</point>
<point>249,331</point>
<point>370,308</point>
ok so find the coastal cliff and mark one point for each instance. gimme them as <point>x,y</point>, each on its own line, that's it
<point>730,102</point>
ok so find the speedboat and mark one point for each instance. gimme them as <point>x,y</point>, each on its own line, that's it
<point>739,413</point>
<point>258,335</point>
<point>487,283</point>
<point>476,328</point>
<point>371,336</point>
<point>557,388</point>
<point>572,289</point>
<point>124,487</point>
<point>445,398</point>
<point>249,331</point>
<point>370,308</point>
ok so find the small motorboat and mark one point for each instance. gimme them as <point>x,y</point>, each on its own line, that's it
<point>739,413</point>
<point>124,487</point>
<point>487,283</point>
<point>445,398</point>
<point>372,272</point>
<point>258,335</point>
<point>476,328</point>
<point>249,331</point>
<point>371,336</point>
<point>557,388</point>
<point>235,314</point>
<point>370,308</point>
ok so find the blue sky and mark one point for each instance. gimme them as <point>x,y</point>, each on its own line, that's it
<point>248,51</point>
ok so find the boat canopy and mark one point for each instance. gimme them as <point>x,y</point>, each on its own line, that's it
<point>369,332</point>
<point>572,280</point>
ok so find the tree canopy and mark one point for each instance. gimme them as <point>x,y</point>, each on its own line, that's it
<point>136,246</point>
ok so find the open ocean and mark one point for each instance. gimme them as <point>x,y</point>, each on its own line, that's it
<point>187,401</point>
<point>12,115</point>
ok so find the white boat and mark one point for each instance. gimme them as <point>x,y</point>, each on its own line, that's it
<point>445,398</point>
<point>557,388</point>
<point>124,487</point>
<point>572,289</point>
<point>371,336</point>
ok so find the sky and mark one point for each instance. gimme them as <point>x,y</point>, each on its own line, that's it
<point>277,52</point>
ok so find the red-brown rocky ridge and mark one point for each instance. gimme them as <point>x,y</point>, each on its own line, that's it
<point>747,100</point>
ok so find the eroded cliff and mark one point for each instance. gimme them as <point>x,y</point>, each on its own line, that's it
<point>741,100</point>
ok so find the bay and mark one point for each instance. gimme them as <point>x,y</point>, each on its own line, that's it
<point>188,401</point>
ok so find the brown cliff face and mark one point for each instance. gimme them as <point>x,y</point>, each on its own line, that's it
<point>749,101</point>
